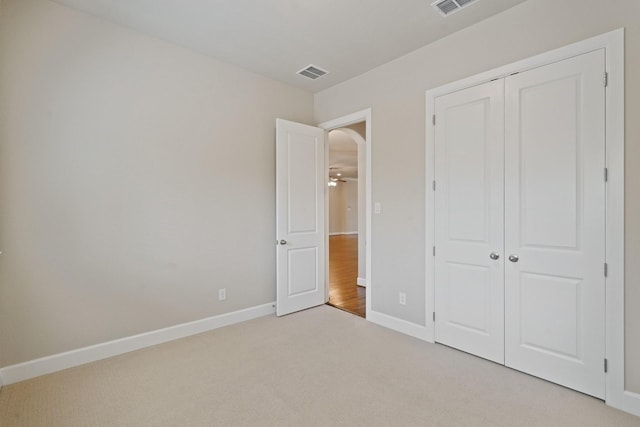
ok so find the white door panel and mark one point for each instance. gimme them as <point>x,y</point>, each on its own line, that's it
<point>554,222</point>
<point>469,220</point>
<point>300,187</point>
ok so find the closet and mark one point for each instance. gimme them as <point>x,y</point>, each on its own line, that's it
<point>520,221</point>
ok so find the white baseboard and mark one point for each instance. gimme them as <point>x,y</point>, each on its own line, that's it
<point>57,362</point>
<point>343,233</point>
<point>399,325</point>
<point>361,282</point>
<point>627,402</point>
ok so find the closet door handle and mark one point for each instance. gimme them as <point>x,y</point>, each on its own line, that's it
<point>513,258</point>
<point>494,255</point>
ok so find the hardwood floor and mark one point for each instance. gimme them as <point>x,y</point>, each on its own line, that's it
<point>344,293</point>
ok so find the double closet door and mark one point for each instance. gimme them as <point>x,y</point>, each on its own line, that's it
<point>520,221</point>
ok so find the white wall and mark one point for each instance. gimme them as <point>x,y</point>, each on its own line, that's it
<point>396,94</point>
<point>136,178</point>
<point>343,207</point>
<point>360,128</point>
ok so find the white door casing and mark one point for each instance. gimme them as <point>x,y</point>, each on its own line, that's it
<point>469,262</point>
<point>365,197</point>
<point>300,217</point>
<point>555,222</point>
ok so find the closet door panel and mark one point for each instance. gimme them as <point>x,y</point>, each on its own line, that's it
<point>554,222</point>
<point>469,151</point>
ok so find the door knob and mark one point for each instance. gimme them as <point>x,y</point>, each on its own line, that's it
<point>513,258</point>
<point>494,255</point>
<point>283,242</point>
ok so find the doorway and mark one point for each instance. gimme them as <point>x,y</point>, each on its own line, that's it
<point>346,220</point>
<point>358,126</point>
<point>302,214</point>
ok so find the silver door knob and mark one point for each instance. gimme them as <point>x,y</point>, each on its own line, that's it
<point>494,255</point>
<point>283,242</point>
<point>513,258</point>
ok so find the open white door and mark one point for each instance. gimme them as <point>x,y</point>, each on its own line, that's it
<point>300,216</point>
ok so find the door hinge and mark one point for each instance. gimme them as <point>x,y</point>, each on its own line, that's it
<point>434,316</point>
<point>606,174</point>
<point>606,365</point>
<point>433,184</point>
<point>606,269</point>
<point>433,119</point>
<point>434,251</point>
<point>606,79</point>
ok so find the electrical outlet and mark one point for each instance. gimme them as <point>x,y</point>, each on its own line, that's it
<point>402,298</point>
<point>222,294</point>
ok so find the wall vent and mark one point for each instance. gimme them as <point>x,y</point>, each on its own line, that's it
<point>447,7</point>
<point>312,72</point>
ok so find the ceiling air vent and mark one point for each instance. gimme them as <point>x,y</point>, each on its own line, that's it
<point>312,72</point>
<point>447,7</point>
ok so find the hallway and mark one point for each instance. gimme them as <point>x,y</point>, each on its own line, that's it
<point>344,293</point>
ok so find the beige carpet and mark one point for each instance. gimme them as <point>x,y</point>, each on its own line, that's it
<point>318,367</point>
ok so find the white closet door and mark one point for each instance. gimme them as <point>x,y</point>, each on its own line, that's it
<point>469,150</point>
<point>554,222</point>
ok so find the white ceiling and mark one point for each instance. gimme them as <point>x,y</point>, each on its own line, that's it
<point>276,38</point>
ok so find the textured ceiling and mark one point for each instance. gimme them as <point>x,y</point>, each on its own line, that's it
<point>276,38</point>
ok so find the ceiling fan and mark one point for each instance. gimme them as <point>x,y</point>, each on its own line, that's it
<point>335,176</point>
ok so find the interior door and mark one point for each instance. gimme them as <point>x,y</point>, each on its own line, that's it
<point>300,216</point>
<point>469,278</point>
<point>555,224</point>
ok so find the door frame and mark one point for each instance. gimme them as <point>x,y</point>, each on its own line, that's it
<point>357,117</point>
<point>613,44</point>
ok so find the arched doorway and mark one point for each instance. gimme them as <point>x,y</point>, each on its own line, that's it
<point>346,200</point>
